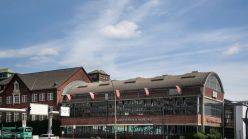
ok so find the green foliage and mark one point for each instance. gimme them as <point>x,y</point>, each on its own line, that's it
<point>199,135</point>
<point>213,134</point>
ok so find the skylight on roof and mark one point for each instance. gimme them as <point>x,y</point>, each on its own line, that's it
<point>159,78</point>
<point>103,84</point>
<point>190,76</point>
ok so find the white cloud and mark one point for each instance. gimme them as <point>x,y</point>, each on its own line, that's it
<point>28,52</point>
<point>164,45</point>
<point>121,30</point>
<point>232,50</point>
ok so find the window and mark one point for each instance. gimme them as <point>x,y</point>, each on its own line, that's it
<point>213,108</point>
<point>42,97</point>
<point>9,100</point>
<point>213,83</point>
<point>16,86</point>
<point>16,117</point>
<point>1,116</point>
<point>1,100</point>
<point>16,99</point>
<point>33,117</point>
<point>24,98</point>
<point>50,96</point>
<point>8,117</point>
<point>34,97</point>
<point>24,116</point>
<point>42,117</point>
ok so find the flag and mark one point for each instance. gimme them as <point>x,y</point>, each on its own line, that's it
<point>179,90</point>
<point>92,95</point>
<point>118,94</point>
<point>146,91</point>
<point>68,96</point>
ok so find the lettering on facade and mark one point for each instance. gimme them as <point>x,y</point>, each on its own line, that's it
<point>134,120</point>
<point>214,121</point>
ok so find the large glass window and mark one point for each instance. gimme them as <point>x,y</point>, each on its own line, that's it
<point>213,83</point>
<point>149,131</point>
<point>213,108</point>
<point>155,106</point>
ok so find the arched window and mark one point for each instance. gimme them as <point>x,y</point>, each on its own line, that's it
<point>213,83</point>
<point>16,85</point>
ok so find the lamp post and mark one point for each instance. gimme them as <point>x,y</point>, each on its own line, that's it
<point>115,119</point>
<point>115,108</point>
<point>106,99</point>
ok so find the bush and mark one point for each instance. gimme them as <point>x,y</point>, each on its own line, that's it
<point>214,134</point>
<point>199,135</point>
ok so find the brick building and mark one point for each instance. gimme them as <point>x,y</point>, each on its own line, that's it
<point>40,87</point>
<point>169,105</point>
<point>98,76</point>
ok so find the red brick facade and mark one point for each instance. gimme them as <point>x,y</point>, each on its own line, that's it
<point>24,90</point>
<point>209,93</point>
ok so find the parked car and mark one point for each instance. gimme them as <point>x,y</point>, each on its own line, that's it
<point>47,136</point>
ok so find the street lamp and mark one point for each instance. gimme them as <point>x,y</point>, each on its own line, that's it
<point>106,99</point>
<point>115,108</point>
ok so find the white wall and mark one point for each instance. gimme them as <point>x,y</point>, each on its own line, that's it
<point>240,125</point>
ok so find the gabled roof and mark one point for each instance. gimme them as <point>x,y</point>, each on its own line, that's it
<point>164,81</point>
<point>45,79</point>
<point>6,81</point>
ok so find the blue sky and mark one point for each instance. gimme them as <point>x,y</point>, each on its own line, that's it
<point>128,38</point>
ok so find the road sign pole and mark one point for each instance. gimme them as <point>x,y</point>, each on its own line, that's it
<point>50,121</point>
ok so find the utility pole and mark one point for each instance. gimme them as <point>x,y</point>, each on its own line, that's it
<point>115,109</point>
<point>115,118</point>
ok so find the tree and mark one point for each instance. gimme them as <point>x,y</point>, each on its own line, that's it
<point>199,135</point>
<point>213,134</point>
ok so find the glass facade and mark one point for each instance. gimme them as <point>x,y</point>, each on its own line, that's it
<point>213,108</point>
<point>160,114</point>
<point>213,83</point>
<point>131,130</point>
<point>152,106</point>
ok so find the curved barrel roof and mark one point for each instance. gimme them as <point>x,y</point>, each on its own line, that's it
<point>165,81</point>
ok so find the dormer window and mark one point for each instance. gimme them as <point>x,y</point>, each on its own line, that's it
<point>16,86</point>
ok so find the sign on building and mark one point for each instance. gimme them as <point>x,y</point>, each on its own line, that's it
<point>38,109</point>
<point>214,94</point>
<point>64,111</point>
